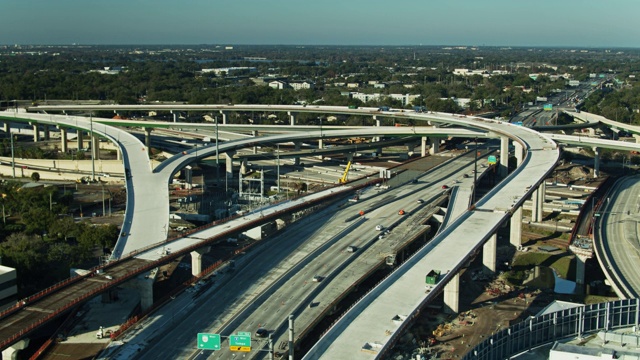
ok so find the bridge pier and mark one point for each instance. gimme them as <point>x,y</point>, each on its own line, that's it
<point>296,160</point>
<point>292,118</point>
<point>581,261</point>
<point>537,199</point>
<point>11,353</point>
<point>434,145</point>
<point>596,162</point>
<point>147,139</point>
<point>80,139</point>
<point>36,132</point>
<point>229,163</point>
<point>46,132</point>
<point>423,146</point>
<point>254,133</point>
<point>63,140</point>
<point>489,254</point>
<point>515,231</point>
<point>243,167</point>
<point>519,153</point>
<point>224,117</point>
<point>452,295</point>
<point>320,146</point>
<point>377,121</point>
<point>95,147</point>
<point>143,284</point>
<point>175,116</point>
<point>196,260</point>
<point>503,166</point>
<point>637,137</point>
<point>6,127</point>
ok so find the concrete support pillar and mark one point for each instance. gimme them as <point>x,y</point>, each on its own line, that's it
<point>95,147</point>
<point>423,146</point>
<point>489,254</point>
<point>537,203</point>
<point>80,139</point>
<point>143,285</point>
<point>320,146</point>
<point>452,295</point>
<point>519,152</point>
<point>224,117</point>
<point>596,162</point>
<point>298,145</point>
<point>292,117</point>
<point>434,145</point>
<point>196,260</point>
<point>229,164</point>
<point>637,137</point>
<point>11,353</point>
<point>377,121</point>
<point>503,166</point>
<point>63,139</point>
<point>46,132</point>
<point>581,261</point>
<point>379,151</point>
<point>7,127</point>
<point>515,234</point>
<point>36,132</point>
<point>254,133</point>
<point>147,139</point>
<point>175,116</point>
<point>243,167</point>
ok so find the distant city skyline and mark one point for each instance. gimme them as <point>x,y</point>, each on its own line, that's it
<point>559,23</point>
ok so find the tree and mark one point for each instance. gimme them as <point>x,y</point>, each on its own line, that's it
<point>35,176</point>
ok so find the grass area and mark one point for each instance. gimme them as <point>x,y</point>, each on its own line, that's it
<point>596,299</point>
<point>562,263</point>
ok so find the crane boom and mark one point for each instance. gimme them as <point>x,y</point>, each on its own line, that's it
<point>343,179</point>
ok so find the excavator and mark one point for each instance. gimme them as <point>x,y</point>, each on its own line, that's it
<point>343,179</point>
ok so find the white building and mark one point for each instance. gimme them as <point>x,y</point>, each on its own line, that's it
<point>278,85</point>
<point>365,97</point>
<point>302,85</point>
<point>8,286</point>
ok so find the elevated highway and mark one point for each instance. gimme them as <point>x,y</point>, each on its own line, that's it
<point>537,155</point>
<point>373,325</point>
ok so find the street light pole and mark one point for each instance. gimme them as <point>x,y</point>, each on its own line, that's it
<point>93,149</point>
<point>475,172</point>
<point>278,165</point>
<point>13,158</point>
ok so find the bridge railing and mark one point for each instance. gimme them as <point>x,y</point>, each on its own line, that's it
<point>546,329</point>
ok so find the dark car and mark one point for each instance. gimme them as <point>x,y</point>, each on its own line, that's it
<point>445,187</point>
<point>262,332</point>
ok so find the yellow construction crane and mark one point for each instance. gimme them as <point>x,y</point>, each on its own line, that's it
<point>343,179</point>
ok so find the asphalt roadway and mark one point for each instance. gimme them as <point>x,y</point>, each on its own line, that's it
<point>620,215</point>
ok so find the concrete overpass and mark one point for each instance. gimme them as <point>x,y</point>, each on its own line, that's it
<point>524,139</point>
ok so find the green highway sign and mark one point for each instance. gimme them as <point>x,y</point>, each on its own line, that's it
<point>244,333</point>
<point>239,340</point>
<point>208,341</point>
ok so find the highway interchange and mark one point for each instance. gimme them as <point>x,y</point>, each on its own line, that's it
<point>490,212</point>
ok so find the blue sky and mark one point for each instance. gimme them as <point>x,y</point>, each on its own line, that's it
<point>580,23</point>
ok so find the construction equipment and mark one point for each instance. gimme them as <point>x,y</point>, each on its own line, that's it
<point>343,179</point>
<point>401,212</point>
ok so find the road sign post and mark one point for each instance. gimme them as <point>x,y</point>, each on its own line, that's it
<point>207,341</point>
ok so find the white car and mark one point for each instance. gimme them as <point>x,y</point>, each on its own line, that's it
<point>379,227</point>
